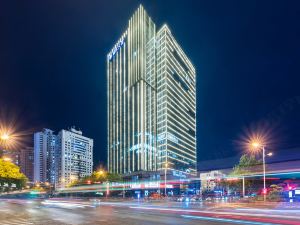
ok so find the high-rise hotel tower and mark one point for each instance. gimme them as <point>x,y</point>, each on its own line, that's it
<point>151,101</point>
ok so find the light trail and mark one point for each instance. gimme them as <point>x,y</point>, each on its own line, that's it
<point>225,220</point>
<point>159,184</point>
<point>65,204</point>
<point>250,216</point>
<point>271,210</point>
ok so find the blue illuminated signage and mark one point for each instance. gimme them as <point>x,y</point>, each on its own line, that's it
<point>116,48</point>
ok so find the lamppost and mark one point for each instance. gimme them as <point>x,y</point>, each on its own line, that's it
<point>4,138</point>
<point>103,174</point>
<point>166,167</point>
<point>258,145</point>
<point>48,185</point>
<point>107,189</point>
<point>7,159</point>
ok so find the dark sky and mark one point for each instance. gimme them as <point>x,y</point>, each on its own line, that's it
<point>52,65</point>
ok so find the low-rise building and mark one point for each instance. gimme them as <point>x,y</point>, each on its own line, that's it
<point>209,180</point>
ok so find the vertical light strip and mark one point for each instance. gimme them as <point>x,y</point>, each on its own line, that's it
<point>129,115</point>
<point>124,110</point>
<point>108,113</point>
<point>117,113</point>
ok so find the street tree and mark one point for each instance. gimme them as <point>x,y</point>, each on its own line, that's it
<point>10,174</point>
<point>247,165</point>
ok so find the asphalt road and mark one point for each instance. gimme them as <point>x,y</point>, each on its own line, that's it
<point>19,212</point>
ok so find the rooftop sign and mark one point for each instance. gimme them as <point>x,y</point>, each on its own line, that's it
<point>116,47</point>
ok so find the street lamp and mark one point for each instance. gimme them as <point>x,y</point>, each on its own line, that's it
<point>166,167</point>
<point>257,145</point>
<point>5,137</point>
<point>7,159</point>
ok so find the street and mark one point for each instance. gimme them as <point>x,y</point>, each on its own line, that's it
<point>59,212</point>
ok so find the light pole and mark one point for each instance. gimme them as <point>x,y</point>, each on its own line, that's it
<point>264,168</point>
<point>258,145</point>
<point>123,190</point>
<point>107,189</point>
<point>243,187</point>
<point>7,159</point>
<point>166,167</point>
<point>3,138</point>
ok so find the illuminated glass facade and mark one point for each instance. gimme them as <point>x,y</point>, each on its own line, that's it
<point>176,106</point>
<point>151,101</point>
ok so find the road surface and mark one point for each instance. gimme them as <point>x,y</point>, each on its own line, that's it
<point>65,212</point>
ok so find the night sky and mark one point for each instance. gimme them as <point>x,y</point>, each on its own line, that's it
<point>246,53</point>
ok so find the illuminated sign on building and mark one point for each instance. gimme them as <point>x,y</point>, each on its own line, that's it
<point>138,146</point>
<point>178,174</point>
<point>116,47</point>
<point>170,137</point>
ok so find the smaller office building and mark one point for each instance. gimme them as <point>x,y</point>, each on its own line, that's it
<point>62,158</point>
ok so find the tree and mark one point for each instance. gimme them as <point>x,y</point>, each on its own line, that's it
<point>246,166</point>
<point>114,177</point>
<point>10,174</point>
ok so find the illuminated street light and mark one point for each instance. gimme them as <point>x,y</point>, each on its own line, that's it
<point>7,159</point>
<point>10,138</point>
<point>258,145</point>
<point>73,178</point>
<point>255,144</point>
<point>5,137</point>
<point>107,189</point>
<point>166,167</point>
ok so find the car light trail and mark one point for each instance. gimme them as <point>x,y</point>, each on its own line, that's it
<point>270,210</point>
<point>225,220</point>
<point>65,204</point>
<point>251,217</point>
